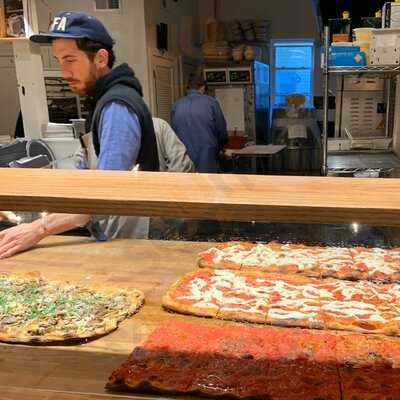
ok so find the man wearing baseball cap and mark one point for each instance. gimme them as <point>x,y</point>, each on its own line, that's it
<point>120,123</point>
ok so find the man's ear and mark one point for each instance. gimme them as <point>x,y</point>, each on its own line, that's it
<point>101,58</point>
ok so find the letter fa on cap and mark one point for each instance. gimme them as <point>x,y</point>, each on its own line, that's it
<point>59,24</point>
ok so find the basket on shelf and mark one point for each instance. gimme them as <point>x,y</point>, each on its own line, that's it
<point>215,47</point>
<point>250,30</point>
<point>217,51</point>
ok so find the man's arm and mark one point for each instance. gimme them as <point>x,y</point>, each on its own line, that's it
<point>120,137</point>
<point>25,236</point>
<point>220,125</point>
<point>119,142</point>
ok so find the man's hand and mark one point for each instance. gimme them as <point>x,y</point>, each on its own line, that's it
<point>23,237</point>
<point>20,238</point>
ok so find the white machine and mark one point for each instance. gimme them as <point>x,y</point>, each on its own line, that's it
<point>243,93</point>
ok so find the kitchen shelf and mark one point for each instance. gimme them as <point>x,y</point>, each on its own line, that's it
<point>13,39</point>
<point>261,43</point>
<point>388,72</point>
<point>368,69</point>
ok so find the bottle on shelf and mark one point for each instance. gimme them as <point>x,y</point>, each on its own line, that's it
<point>340,28</point>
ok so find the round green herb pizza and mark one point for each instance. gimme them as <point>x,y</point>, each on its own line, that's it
<point>35,310</point>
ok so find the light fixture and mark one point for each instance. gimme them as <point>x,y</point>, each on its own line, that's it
<point>355,227</point>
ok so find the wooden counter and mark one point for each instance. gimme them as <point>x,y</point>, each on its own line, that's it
<point>80,371</point>
<point>205,196</point>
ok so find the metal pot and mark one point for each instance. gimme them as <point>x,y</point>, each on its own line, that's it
<point>301,154</point>
<point>296,158</point>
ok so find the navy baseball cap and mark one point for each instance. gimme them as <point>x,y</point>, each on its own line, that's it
<point>75,25</point>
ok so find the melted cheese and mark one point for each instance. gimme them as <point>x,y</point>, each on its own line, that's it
<point>376,263</point>
<point>279,299</point>
<point>276,313</point>
<point>327,258</point>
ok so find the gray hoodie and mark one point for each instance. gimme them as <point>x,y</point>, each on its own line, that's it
<point>172,153</point>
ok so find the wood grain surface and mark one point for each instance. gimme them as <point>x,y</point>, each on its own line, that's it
<point>11,393</point>
<point>203,196</point>
<point>81,371</point>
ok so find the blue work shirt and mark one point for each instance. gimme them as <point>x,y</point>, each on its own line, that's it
<point>119,136</point>
<point>200,124</point>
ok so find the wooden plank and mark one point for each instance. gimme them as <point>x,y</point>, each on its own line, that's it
<point>204,196</point>
<point>62,372</point>
<point>13,39</point>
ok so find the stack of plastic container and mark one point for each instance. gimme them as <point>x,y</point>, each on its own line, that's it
<point>363,37</point>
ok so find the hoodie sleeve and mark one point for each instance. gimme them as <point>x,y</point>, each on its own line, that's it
<point>173,151</point>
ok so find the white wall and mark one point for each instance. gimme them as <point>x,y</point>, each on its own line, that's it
<point>290,19</point>
<point>9,100</point>
<point>171,13</point>
<point>206,11</point>
<point>127,27</point>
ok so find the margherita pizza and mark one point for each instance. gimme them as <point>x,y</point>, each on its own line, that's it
<point>316,261</point>
<point>288,300</point>
<point>35,310</point>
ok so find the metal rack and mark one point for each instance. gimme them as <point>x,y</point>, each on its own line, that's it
<point>387,71</point>
<point>62,103</point>
<point>370,69</point>
<point>369,172</point>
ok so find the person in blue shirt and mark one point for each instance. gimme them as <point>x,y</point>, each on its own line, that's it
<point>200,124</point>
<point>122,131</point>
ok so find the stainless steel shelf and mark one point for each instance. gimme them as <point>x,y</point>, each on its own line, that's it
<point>361,172</point>
<point>388,72</point>
<point>368,69</point>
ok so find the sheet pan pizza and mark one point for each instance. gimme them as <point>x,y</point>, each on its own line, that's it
<point>252,362</point>
<point>288,300</point>
<point>317,261</point>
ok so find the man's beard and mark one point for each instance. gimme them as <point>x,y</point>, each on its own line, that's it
<point>74,89</point>
<point>94,75</point>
